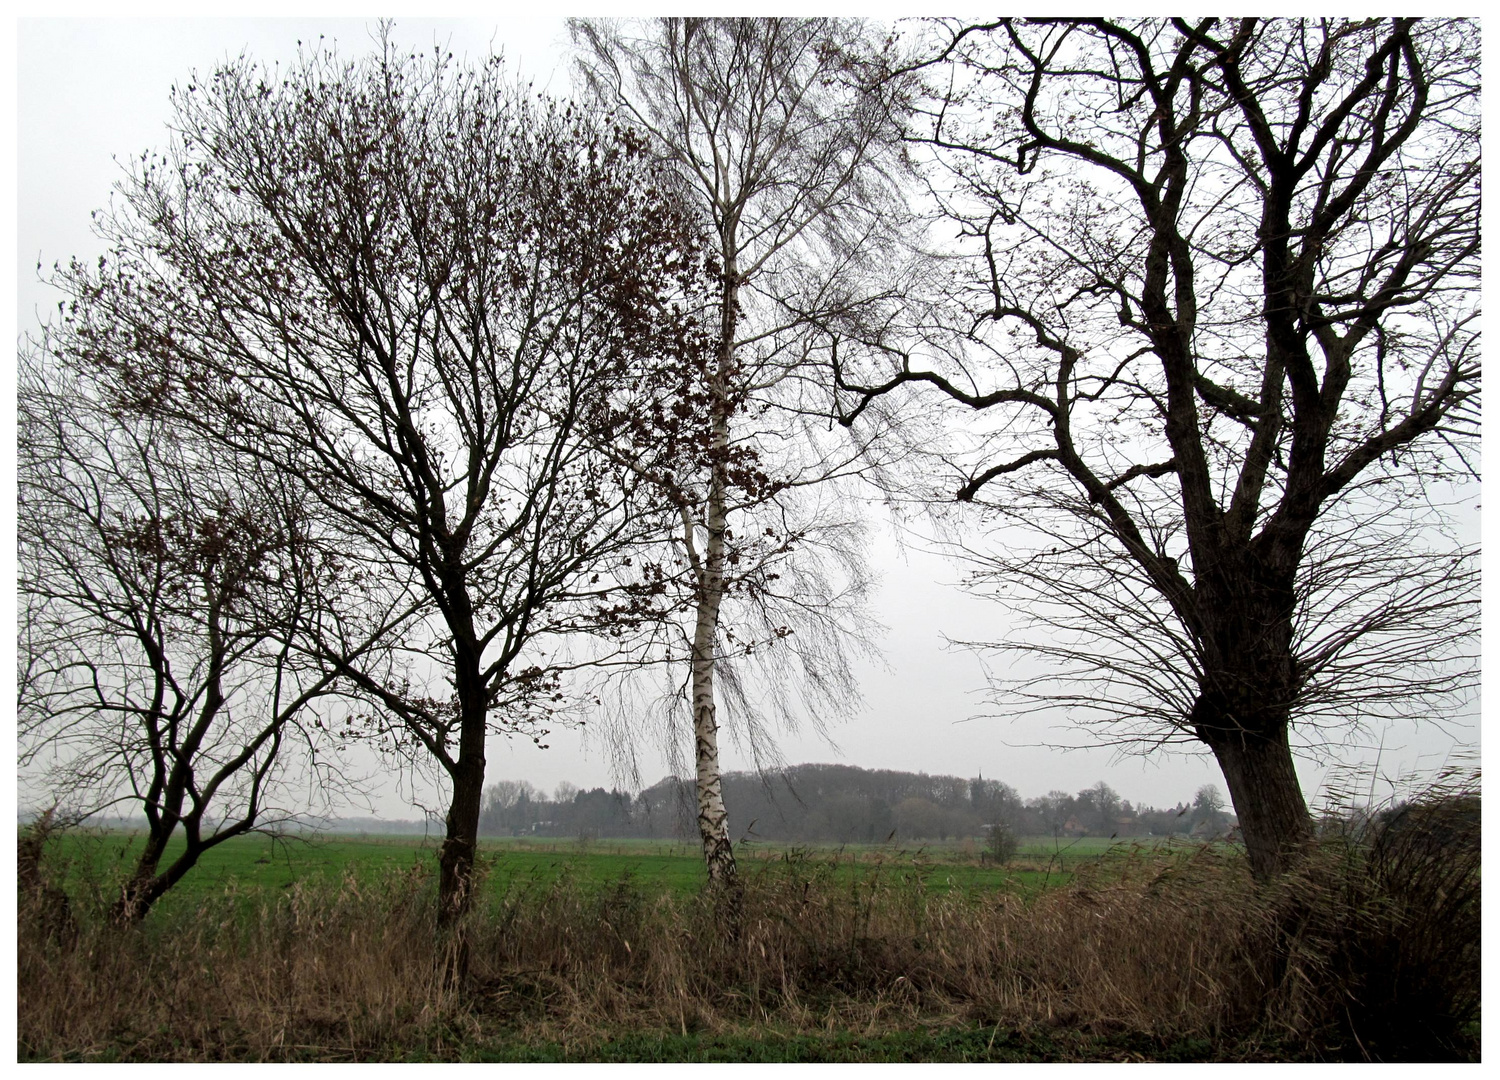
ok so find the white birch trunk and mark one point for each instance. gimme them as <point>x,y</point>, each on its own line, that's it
<point>713,820</point>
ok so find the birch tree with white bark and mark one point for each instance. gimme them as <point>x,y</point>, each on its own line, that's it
<point>781,134</point>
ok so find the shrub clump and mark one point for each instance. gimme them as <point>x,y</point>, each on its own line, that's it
<point>1375,954</point>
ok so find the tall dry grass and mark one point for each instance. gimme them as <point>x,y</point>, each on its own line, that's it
<point>1171,945</point>
<point>1375,947</point>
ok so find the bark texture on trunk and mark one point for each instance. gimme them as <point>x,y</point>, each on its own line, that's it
<point>149,882</point>
<point>1244,706</point>
<point>1262,777</point>
<point>713,819</point>
<point>461,839</point>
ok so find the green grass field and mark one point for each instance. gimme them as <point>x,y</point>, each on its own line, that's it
<point>325,949</point>
<point>259,865</point>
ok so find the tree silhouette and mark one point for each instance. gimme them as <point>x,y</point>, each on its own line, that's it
<point>1223,318</point>
<point>447,311</point>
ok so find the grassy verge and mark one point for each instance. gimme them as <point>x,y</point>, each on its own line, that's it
<point>1162,954</point>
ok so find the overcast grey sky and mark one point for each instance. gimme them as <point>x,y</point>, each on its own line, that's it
<point>94,90</point>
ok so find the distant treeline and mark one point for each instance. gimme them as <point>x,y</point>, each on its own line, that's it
<point>297,825</point>
<point>843,804</point>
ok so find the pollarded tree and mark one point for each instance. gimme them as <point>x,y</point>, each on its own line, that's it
<point>436,303</point>
<point>1225,321</point>
<point>781,135</point>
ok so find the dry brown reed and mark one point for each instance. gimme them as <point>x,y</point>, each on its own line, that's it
<point>1376,947</point>
<point>1171,945</point>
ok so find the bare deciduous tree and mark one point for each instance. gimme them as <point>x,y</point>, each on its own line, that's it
<point>780,134</point>
<point>434,303</point>
<point>1225,326</point>
<point>167,591</point>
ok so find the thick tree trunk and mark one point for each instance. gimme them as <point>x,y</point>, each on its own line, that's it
<point>456,872</point>
<point>1267,796</point>
<point>461,841</point>
<point>1243,711</point>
